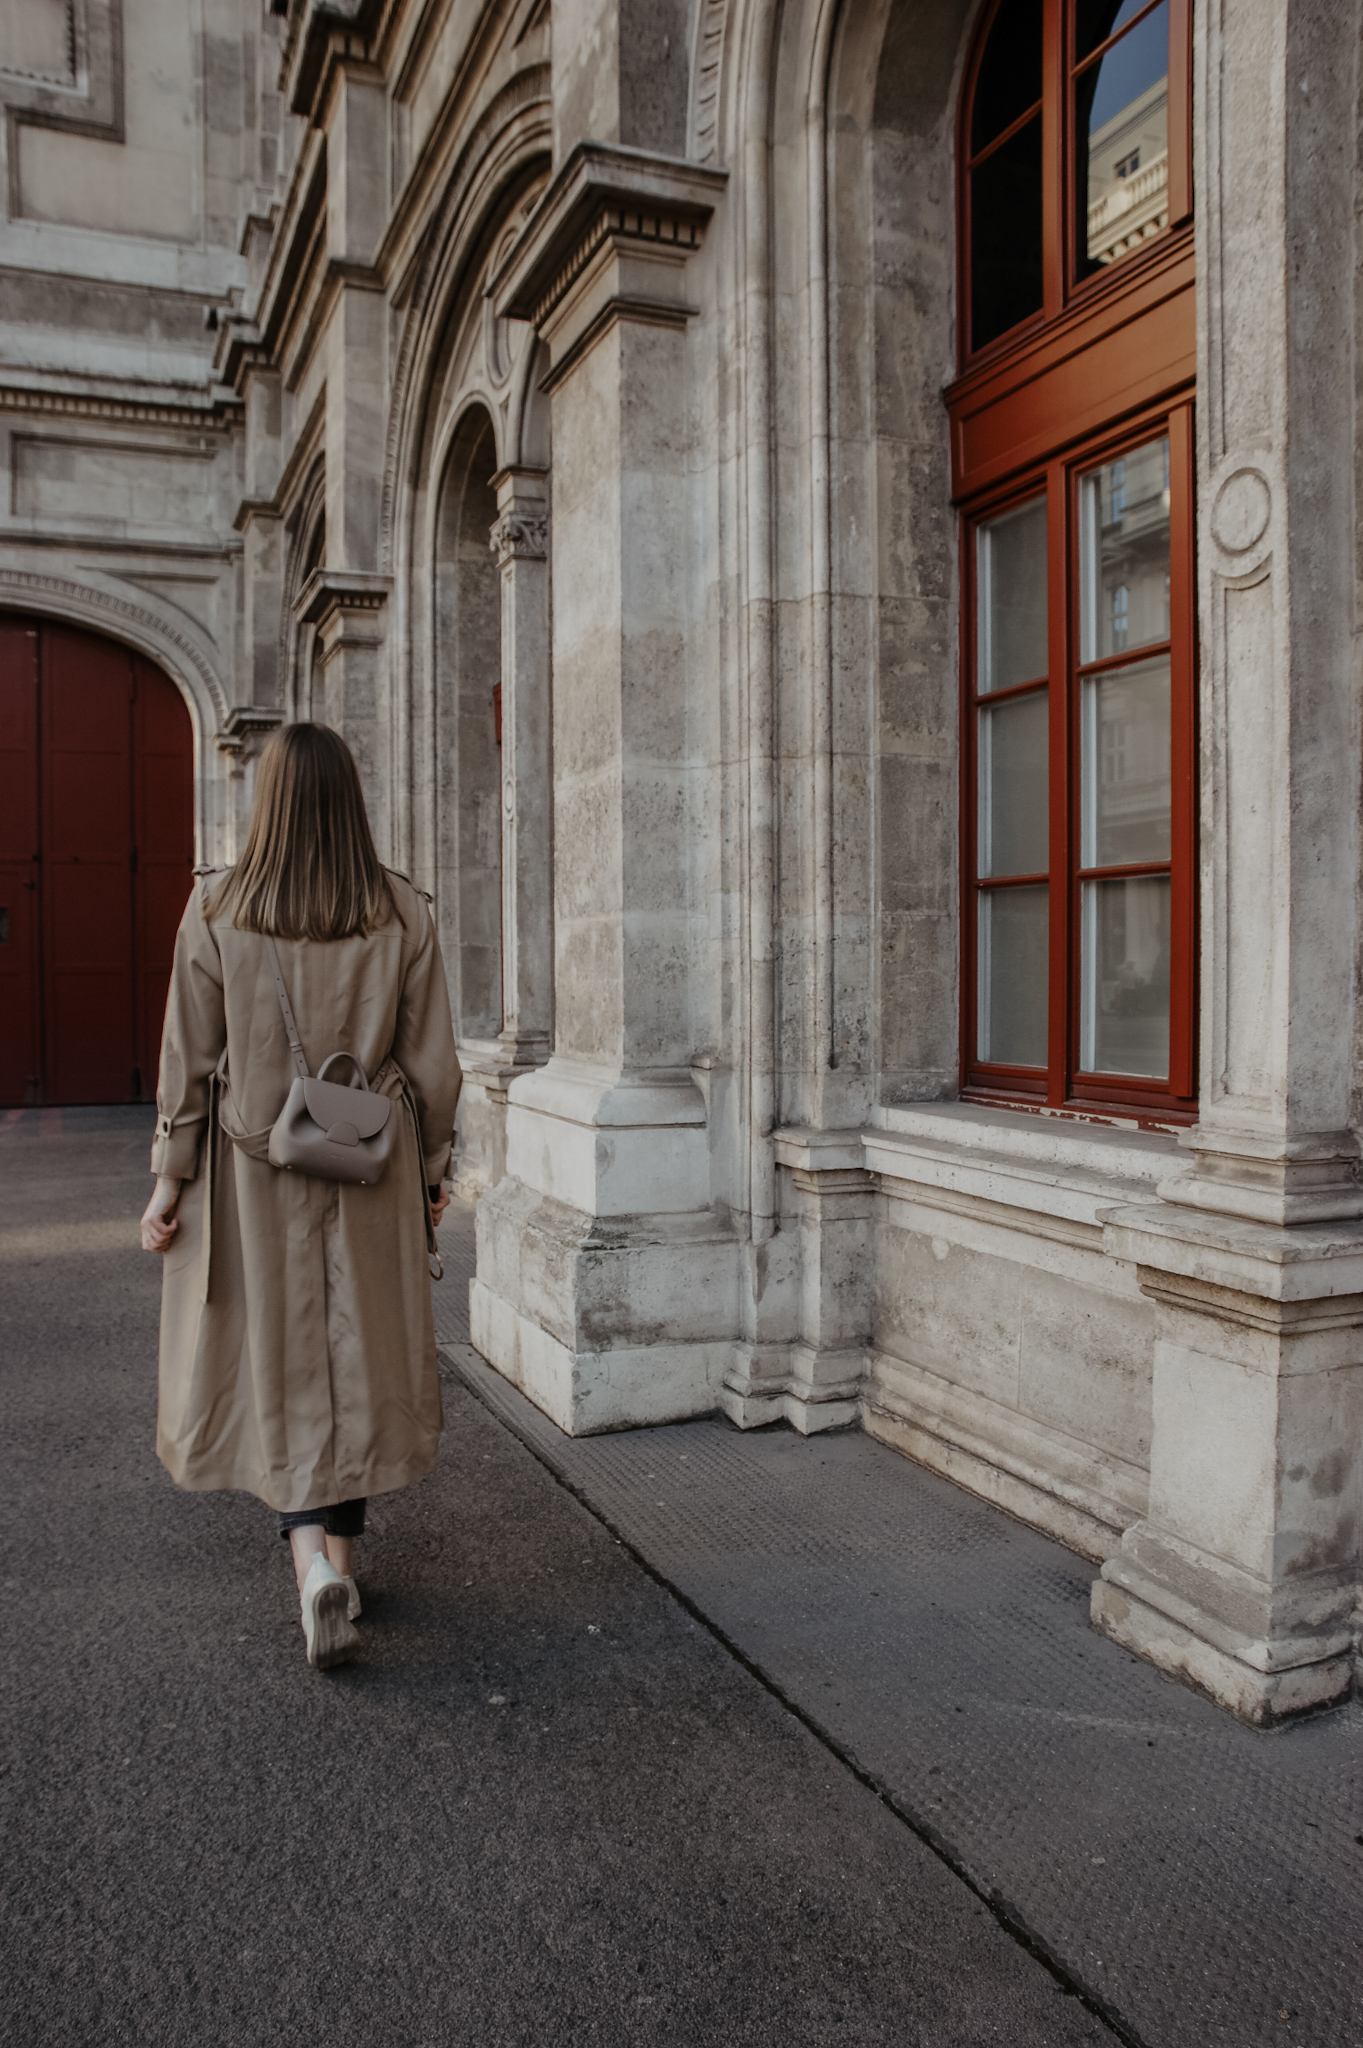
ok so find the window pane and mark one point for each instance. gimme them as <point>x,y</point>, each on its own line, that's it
<point>1121,126</point>
<point>1009,78</point>
<point>1124,553</point>
<point>1014,786</point>
<point>1010,569</point>
<point>1096,20</point>
<point>1125,766</point>
<point>1124,1020</point>
<point>1013,972</point>
<point>1005,236</point>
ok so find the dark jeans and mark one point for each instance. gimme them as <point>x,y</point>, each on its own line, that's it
<point>346,1518</point>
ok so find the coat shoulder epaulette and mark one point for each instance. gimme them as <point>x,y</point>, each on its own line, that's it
<point>413,886</point>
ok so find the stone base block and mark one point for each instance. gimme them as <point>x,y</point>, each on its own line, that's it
<point>1032,1504</point>
<point>755,1411</point>
<point>1259,1696</point>
<point>1081,1494</point>
<point>586,1392</point>
<point>480,1160</point>
<point>604,1323</point>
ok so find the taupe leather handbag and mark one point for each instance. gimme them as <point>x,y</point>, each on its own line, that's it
<point>326,1130</point>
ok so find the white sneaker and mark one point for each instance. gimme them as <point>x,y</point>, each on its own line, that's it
<point>326,1624</point>
<point>354,1610</point>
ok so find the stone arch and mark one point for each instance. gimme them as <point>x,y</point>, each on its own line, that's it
<point>856,105</point>
<point>506,158</point>
<point>182,659</point>
<point>102,764</point>
<point>442,366</point>
<point>468,687</point>
<point>306,527</point>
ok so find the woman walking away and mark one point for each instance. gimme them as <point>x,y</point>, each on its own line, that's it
<point>295,1214</point>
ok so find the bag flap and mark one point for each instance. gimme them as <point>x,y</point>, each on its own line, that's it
<point>329,1103</point>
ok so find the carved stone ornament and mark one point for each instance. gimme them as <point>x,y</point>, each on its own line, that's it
<point>521,537</point>
<point>1241,511</point>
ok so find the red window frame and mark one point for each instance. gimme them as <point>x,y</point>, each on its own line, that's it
<point>1062,287</point>
<point>1063,1084</point>
<point>1105,366</point>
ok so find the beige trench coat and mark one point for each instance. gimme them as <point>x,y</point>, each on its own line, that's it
<point>297,1353</point>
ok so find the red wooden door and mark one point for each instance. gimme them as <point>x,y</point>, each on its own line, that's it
<point>163,850</point>
<point>20,1010</point>
<point>103,774</point>
<point>86,782</point>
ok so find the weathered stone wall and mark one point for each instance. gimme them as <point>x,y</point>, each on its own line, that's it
<point>140,141</point>
<point>600,359</point>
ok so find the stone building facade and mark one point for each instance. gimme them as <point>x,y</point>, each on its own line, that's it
<point>572,401</point>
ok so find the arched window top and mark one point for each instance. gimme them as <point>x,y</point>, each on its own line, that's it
<point>1075,152</point>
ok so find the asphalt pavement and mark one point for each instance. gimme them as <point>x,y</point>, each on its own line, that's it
<point>548,1803</point>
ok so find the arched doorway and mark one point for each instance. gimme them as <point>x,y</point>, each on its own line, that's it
<point>469,667</point>
<point>96,862</point>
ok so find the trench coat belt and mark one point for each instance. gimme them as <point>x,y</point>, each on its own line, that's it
<point>224,1122</point>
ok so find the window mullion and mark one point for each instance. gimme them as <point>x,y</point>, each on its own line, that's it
<point>1183,907</point>
<point>1058,658</point>
<point>1180,114</point>
<point>1053,73</point>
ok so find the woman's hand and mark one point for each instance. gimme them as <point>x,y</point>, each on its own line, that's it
<point>158,1218</point>
<point>440,1202</point>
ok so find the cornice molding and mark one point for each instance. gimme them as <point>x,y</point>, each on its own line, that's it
<point>604,194</point>
<point>221,413</point>
<point>246,722</point>
<point>320,34</point>
<point>340,590</point>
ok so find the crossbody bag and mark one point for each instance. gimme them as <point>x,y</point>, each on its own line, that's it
<point>327,1129</point>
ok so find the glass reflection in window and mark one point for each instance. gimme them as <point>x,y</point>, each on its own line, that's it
<point>1006,175</point>
<point>1124,553</point>
<point>1010,570</point>
<point>1011,1001</point>
<point>1124,968</point>
<point>1121,127</point>
<point>1014,786</point>
<point>1125,783</point>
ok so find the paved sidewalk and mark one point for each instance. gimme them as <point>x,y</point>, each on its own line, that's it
<point>1201,1881</point>
<point>547,1806</point>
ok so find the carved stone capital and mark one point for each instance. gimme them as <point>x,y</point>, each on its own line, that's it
<point>246,724</point>
<point>521,537</point>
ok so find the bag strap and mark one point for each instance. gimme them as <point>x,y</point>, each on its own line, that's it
<point>295,1042</point>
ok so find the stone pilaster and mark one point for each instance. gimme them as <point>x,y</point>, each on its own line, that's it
<point>520,542</point>
<point>1242,1576</point>
<point>1243,1573</point>
<point>606,1283</point>
<point>349,611</point>
<point>1279,674</point>
<point>813,1379</point>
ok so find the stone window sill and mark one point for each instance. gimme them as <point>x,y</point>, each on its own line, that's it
<point>953,1154</point>
<point>1050,1166</point>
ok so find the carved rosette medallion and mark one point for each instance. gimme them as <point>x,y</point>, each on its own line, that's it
<point>1241,510</point>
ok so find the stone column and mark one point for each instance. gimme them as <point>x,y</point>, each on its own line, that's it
<point>520,542</point>
<point>1242,1575</point>
<point>347,600</point>
<point>606,1285</point>
<point>348,609</point>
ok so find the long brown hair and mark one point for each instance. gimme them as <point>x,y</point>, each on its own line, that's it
<point>309,869</point>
